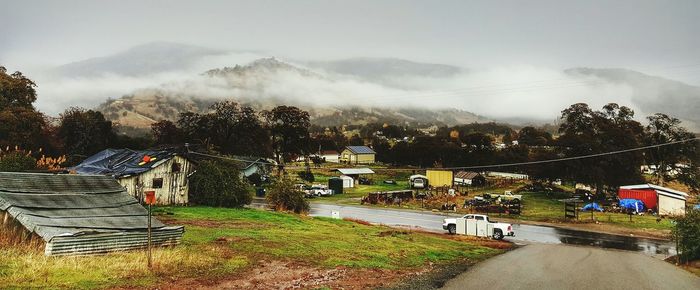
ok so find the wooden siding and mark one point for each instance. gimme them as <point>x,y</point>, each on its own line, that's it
<point>175,189</point>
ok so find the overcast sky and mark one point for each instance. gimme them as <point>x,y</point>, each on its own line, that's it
<point>634,34</point>
<point>507,41</point>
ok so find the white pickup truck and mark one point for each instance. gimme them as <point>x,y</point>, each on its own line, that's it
<point>508,195</point>
<point>499,229</point>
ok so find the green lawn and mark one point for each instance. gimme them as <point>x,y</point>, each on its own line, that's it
<point>220,242</point>
<point>539,206</point>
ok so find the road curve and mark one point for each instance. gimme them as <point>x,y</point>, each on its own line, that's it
<point>549,266</point>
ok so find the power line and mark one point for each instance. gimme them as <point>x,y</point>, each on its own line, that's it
<point>480,166</point>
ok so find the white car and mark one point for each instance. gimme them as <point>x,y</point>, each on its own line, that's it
<point>500,230</point>
<point>320,190</point>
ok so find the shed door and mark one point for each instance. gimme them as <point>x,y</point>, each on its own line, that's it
<point>671,206</point>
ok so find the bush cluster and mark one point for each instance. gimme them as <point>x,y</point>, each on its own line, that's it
<point>284,196</point>
<point>687,233</point>
<point>219,183</point>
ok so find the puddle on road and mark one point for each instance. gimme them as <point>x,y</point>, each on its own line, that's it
<point>552,235</point>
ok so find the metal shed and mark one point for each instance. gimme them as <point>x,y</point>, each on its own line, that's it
<point>162,171</point>
<point>666,201</point>
<point>76,214</point>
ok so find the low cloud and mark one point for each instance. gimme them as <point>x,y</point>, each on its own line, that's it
<point>524,92</point>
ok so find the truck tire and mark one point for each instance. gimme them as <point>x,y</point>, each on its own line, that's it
<point>497,234</point>
<point>452,229</point>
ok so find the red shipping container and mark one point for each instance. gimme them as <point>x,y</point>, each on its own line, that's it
<point>648,197</point>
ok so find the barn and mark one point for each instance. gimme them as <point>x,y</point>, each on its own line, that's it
<point>469,178</point>
<point>162,171</point>
<point>68,214</point>
<point>664,200</point>
<point>357,155</point>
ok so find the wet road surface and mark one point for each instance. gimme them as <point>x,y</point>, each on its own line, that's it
<point>550,266</point>
<point>524,234</point>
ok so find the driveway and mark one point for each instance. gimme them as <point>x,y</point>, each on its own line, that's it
<point>549,266</point>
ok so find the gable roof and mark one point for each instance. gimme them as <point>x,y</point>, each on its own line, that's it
<point>121,162</point>
<point>76,208</point>
<point>248,161</point>
<point>466,174</point>
<point>360,149</point>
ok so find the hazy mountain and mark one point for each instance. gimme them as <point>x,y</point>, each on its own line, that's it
<point>652,94</point>
<point>255,84</point>
<point>159,80</point>
<point>388,71</point>
<point>140,60</point>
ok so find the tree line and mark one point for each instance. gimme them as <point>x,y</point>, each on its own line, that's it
<point>285,133</point>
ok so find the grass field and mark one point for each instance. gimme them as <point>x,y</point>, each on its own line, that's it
<point>224,242</point>
<point>538,206</point>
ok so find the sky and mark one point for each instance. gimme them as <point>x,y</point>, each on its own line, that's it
<point>656,37</point>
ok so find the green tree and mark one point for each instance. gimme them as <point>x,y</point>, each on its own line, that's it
<point>289,129</point>
<point>219,183</point>
<point>585,131</point>
<point>166,133</point>
<point>16,90</point>
<point>675,162</point>
<point>284,196</point>
<point>532,136</point>
<point>85,132</point>
<point>20,124</point>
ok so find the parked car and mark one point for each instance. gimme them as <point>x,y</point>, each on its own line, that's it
<point>500,230</point>
<point>508,195</point>
<point>320,190</point>
<point>365,181</point>
<point>418,181</point>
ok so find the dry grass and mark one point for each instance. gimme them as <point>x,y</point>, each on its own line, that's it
<point>20,269</point>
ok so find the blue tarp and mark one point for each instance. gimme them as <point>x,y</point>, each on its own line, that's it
<point>592,206</point>
<point>632,204</point>
<point>120,162</point>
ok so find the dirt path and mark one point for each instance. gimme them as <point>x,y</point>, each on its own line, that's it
<point>541,266</point>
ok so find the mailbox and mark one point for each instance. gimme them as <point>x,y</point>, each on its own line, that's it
<point>150,197</point>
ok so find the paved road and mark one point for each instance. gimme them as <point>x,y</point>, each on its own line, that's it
<point>549,266</point>
<point>524,234</point>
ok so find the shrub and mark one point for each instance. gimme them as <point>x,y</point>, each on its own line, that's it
<point>255,179</point>
<point>687,233</point>
<point>284,196</point>
<point>219,183</point>
<point>17,161</point>
<point>306,176</point>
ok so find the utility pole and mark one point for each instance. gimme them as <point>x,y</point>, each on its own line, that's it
<point>150,200</point>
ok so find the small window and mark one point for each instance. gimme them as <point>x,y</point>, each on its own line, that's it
<point>479,218</point>
<point>176,167</point>
<point>157,183</point>
<point>469,217</point>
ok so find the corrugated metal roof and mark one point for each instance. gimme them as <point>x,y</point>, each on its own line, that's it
<point>353,171</point>
<point>79,207</point>
<point>655,187</point>
<point>120,162</point>
<point>466,174</point>
<point>360,150</point>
